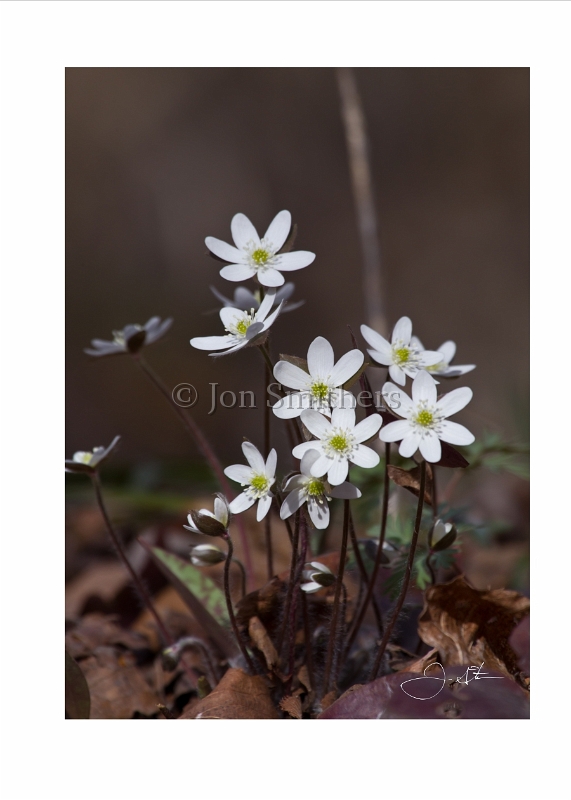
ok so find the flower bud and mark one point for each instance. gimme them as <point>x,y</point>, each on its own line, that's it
<point>206,555</point>
<point>443,535</point>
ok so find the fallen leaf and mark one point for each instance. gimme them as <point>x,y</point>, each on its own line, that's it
<point>493,697</point>
<point>519,642</point>
<point>292,706</point>
<point>77,700</point>
<point>237,696</point>
<point>409,479</point>
<point>117,688</point>
<point>468,626</point>
<point>97,630</point>
<point>261,639</point>
<point>329,699</point>
<point>421,664</point>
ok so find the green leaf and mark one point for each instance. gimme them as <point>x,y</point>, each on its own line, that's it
<point>77,698</point>
<point>199,592</point>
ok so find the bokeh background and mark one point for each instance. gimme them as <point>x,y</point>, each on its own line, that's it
<point>157,159</point>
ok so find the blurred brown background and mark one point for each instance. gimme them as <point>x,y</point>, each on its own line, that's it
<point>157,159</point>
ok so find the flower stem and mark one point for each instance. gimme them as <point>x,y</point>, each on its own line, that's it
<point>296,591</point>
<point>337,662</point>
<point>407,576</point>
<point>375,572</point>
<point>207,451</point>
<point>434,518</point>
<point>230,607</point>
<point>338,586</point>
<point>242,575</point>
<point>268,519</point>
<point>363,571</point>
<point>294,546</point>
<point>139,585</point>
<point>307,635</point>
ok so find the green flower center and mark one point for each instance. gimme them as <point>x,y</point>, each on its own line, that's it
<point>242,326</point>
<point>260,256</point>
<point>425,418</point>
<point>315,488</point>
<point>339,443</point>
<point>402,355</point>
<point>260,484</point>
<point>319,390</point>
<point>84,458</point>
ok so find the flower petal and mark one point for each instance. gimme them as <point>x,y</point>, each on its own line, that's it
<point>448,350</point>
<point>243,231</point>
<point>241,503</point>
<point>316,423</point>
<point>271,463</point>
<point>310,587</point>
<point>295,482</point>
<point>380,358</point>
<point>345,491</point>
<point>454,401</point>
<point>294,500</point>
<point>453,433</point>
<point>243,299</point>
<point>230,316</point>
<point>347,366</point>
<point>279,229</point>
<point>343,418</point>
<point>397,374</point>
<point>409,444</point>
<point>240,473</point>
<point>429,358</point>
<point>291,376</point>
<point>430,447</point>
<point>212,342</point>
<point>300,449</point>
<point>321,466</point>
<point>395,431</point>
<point>270,277</point>
<point>237,272</point>
<point>455,370</point>
<point>255,458</point>
<point>308,460</point>
<point>338,470</point>
<point>223,250</point>
<point>320,358</point>
<point>266,305</point>
<point>364,457</point>
<point>424,388</point>
<point>377,342</point>
<point>221,510</point>
<point>397,400</point>
<point>319,513</point>
<point>402,331</point>
<point>288,262</point>
<point>264,505</point>
<point>367,428</point>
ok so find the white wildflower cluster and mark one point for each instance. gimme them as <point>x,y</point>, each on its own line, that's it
<point>318,389</point>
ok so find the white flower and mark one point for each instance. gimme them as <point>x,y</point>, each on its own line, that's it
<point>206,555</point>
<point>258,479</point>
<point>253,256</point>
<point>320,388</point>
<point>317,493</point>
<point>401,356</point>
<point>425,423</point>
<point>340,442</point>
<point>205,522</point>
<point>317,576</point>
<point>85,461</point>
<point>245,300</point>
<point>244,328</point>
<point>443,369</point>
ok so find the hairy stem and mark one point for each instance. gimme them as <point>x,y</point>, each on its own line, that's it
<point>230,607</point>
<point>294,547</point>
<point>407,576</point>
<point>363,572</point>
<point>335,615</point>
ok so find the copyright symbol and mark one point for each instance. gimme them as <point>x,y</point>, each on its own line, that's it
<point>185,395</point>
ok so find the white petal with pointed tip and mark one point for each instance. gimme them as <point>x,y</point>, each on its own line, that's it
<point>394,394</point>
<point>454,401</point>
<point>376,341</point>
<point>241,503</point>
<point>279,230</point>
<point>347,366</point>
<point>243,231</point>
<point>271,463</point>
<point>402,331</point>
<point>240,473</point>
<point>254,457</point>
<point>288,262</point>
<point>224,250</point>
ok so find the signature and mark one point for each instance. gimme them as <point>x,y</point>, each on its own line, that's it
<point>471,674</point>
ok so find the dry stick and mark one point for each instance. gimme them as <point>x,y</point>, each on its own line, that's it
<point>335,616</point>
<point>363,571</point>
<point>139,585</point>
<point>359,162</point>
<point>294,546</point>
<point>407,575</point>
<point>296,591</point>
<point>231,614</point>
<point>375,572</point>
<point>268,523</point>
<point>204,446</point>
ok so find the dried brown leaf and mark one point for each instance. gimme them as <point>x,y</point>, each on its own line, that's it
<point>409,479</point>
<point>237,696</point>
<point>117,688</point>
<point>329,699</point>
<point>291,705</point>
<point>468,626</point>
<point>261,639</point>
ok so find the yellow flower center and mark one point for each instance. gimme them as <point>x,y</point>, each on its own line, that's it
<point>315,488</point>
<point>425,418</point>
<point>401,355</point>
<point>319,390</point>
<point>260,484</point>
<point>260,256</point>
<point>339,442</point>
<point>242,326</point>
